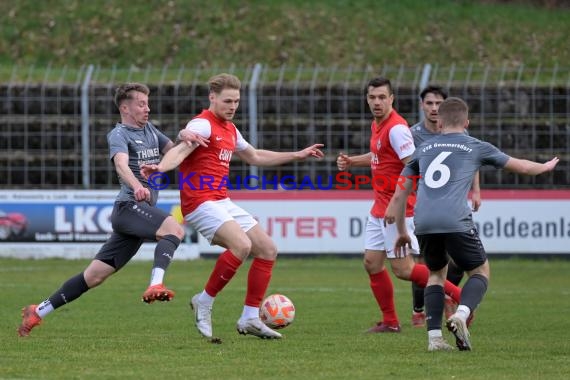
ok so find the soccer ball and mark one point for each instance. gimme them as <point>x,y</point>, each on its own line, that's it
<point>277,311</point>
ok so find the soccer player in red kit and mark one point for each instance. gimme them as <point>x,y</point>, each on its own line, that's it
<point>207,207</point>
<point>391,147</point>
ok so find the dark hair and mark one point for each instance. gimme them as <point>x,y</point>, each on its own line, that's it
<point>432,89</point>
<point>379,82</point>
<point>123,92</point>
<point>219,82</point>
<point>453,112</point>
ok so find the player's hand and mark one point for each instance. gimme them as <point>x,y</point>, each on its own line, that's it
<point>193,139</point>
<point>142,194</point>
<point>550,165</point>
<point>475,201</point>
<point>401,245</point>
<point>343,162</point>
<point>312,151</point>
<point>148,169</point>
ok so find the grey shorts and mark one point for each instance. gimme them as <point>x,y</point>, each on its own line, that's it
<point>133,223</point>
<point>465,248</point>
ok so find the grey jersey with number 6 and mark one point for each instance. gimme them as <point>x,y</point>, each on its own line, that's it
<point>447,164</point>
<point>144,146</point>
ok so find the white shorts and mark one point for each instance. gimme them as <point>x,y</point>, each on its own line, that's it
<point>210,216</point>
<point>380,238</point>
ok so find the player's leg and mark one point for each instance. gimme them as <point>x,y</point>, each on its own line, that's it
<point>264,254</point>
<point>151,223</point>
<point>379,278</point>
<point>454,275</point>
<point>418,314</point>
<point>214,221</point>
<point>405,268</point>
<point>466,249</point>
<point>433,247</point>
<point>114,254</point>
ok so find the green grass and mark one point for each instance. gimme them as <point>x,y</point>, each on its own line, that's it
<point>521,329</point>
<point>214,35</point>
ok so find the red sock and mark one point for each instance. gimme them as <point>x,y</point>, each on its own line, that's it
<point>258,280</point>
<point>420,275</point>
<point>383,291</point>
<point>453,291</point>
<point>225,268</point>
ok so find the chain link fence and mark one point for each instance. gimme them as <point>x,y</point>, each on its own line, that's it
<point>524,111</point>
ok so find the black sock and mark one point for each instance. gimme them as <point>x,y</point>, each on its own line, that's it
<point>69,291</point>
<point>473,291</point>
<point>164,251</point>
<point>417,297</point>
<point>434,300</point>
<point>454,273</point>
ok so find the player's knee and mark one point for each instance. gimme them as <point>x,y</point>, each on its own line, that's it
<point>241,248</point>
<point>373,265</point>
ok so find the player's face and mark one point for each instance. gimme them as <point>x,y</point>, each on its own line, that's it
<point>380,101</point>
<point>135,110</point>
<point>225,104</point>
<point>430,106</point>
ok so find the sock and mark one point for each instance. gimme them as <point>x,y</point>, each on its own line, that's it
<point>205,299</point>
<point>434,301</point>
<point>463,312</point>
<point>69,291</point>
<point>454,273</point>
<point>249,312</point>
<point>156,276</point>
<point>225,268</point>
<point>417,298</point>
<point>453,291</point>
<point>258,281</point>
<point>163,254</point>
<point>383,291</point>
<point>435,334</point>
<point>473,291</point>
<point>44,308</point>
<point>420,275</point>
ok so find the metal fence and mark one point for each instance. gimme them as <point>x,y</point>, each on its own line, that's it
<point>524,111</point>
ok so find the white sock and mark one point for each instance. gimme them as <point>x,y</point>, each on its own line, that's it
<point>44,308</point>
<point>463,312</point>
<point>434,334</point>
<point>249,312</point>
<point>206,299</point>
<point>157,276</point>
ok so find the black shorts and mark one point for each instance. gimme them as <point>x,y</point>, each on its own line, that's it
<point>133,223</point>
<point>465,248</point>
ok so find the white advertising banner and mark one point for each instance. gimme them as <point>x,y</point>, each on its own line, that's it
<point>74,224</point>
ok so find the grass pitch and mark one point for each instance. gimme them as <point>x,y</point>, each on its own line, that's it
<point>521,330</point>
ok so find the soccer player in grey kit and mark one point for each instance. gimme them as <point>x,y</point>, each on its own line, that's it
<point>135,218</point>
<point>443,220</point>
<point>431,98</point>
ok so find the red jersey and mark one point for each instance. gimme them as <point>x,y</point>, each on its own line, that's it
<point>204,174</point>
<point>391,141</point>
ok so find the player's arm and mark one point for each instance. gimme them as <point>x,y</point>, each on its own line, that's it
<point>345,162</point>
<point>527,167</point>
<point>261,157</point>
<point>476,192</point>
<point>396,213</point>
<point>175,156</point>
<point>121,161</point>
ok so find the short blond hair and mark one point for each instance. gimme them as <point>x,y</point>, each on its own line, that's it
<point>220,82</point>
<point>453,112</point>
